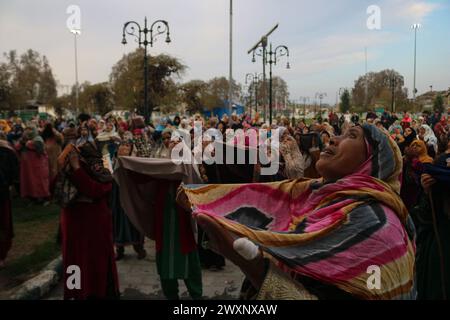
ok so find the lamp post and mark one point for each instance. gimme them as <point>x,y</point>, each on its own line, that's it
<point>304,99</point>
<point>262,52</point>
<point>393,82</point>
<point>255,78</point>
<point>247,98</point>
<point>415,27</point>
<point>76,32</point>
<point>342,90</point>
<point>320,95</point>
<point>230,77</point>
<point>149,35</point>
<point>273,56</point>
<point>294,107</point>
<point>261,45</point>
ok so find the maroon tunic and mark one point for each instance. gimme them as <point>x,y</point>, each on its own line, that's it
<point>34,175</point>
<point>87,241</point>
<point>8,175</point>
<point>6,227</point>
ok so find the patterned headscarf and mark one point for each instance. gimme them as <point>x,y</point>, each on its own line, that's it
<point>384,159</point>
<point>32,135</point>
<point>82,140</point>
<point>92,161</point>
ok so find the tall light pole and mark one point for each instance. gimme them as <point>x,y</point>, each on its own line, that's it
<point>161,26</point>
<point>230,80</point>
<point>366,88</point>
<point>393,82</point>
<point>415,26</point>
<point>304,99</point>
<point>76,32</point>
<point>262,46</point>
<point>341,91</point>
<point>254,80</point>
<point>320,95</point>
<point>273,56</point>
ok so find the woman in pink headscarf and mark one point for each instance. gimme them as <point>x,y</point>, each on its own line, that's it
<point>34,168</point>
<point>406,121</point>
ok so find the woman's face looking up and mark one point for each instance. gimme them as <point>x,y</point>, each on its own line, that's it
<point>344,155</point>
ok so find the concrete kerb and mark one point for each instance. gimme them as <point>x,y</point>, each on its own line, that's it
<point>41,284</point>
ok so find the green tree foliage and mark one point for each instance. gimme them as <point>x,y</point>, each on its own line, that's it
<point>379,91</point>
<point>198,94</point>
<point>127,81</point>
<point>24,78</point>
<point>47,83</point>
<point>280,92</point>
<point>218,91</point>
<point>438,103</point>
<point>194,94</point>
<point>5,87</point>
<point>96,98</point>
<point>63,102</point>
<point>345,101</point>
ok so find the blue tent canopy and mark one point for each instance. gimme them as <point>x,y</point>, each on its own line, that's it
<point>219,111</point>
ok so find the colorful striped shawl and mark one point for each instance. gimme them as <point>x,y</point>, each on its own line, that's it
<point>330,232</point>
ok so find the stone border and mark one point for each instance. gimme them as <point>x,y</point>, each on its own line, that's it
<point>41,284</point>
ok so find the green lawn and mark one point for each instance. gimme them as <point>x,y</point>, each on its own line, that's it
<point>34,243</point>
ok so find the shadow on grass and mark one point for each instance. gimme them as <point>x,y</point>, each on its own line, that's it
<point>41,256</point>
<point>34,242</point>
<point>24,211</point>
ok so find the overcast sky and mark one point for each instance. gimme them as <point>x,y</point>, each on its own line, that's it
<point>326,38</point>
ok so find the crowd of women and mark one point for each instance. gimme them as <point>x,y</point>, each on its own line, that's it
<point>407,158</point>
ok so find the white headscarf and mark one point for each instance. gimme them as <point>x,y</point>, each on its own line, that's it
<point>105,135</point>
<point>429,137</point>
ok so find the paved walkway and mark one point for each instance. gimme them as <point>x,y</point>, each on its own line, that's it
<point>138,279</point>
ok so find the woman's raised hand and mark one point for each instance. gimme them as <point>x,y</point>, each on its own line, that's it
<point>74,161</point>
<point>427,182</point>
<point>222,242</point>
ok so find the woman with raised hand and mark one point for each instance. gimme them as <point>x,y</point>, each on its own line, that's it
<point>86,228</point>
<point>432,219</point>
<point>53,142</point>
<point>344,236</point>
<point>427,135</point>
<point>34,168</point>
<point>9,174</point>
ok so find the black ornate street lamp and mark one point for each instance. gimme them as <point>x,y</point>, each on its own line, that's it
<point>158,27</point>
<point>273,56</point>
<point>262,52</point>
<point>393,81</point>
<point>260,49</point>
<point>341,91</point>
<point>304,99</point>
<point>320,95</point>
<point>254,81</point>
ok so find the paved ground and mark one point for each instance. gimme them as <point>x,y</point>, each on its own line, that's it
<point>139,279</point>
